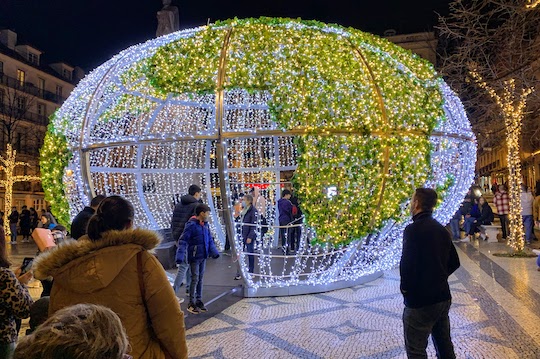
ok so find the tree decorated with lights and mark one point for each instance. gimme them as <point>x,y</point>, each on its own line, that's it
<point>9,166</point>
<point>238,103</point>
<point>500,58</point>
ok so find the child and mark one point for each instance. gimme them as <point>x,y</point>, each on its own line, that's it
<point>197,243</point>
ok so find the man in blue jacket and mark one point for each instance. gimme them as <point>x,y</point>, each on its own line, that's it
<point>197,244</point>
<point>428,258</point>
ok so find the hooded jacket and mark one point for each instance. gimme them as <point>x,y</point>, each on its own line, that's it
<point>182,213</point>
<point>196,241</point>
<point>105,272</point>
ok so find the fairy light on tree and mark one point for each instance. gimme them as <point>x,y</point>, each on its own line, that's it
<point>9,166</point>
<point>512,104</point>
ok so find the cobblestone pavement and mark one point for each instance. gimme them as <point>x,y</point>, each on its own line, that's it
<point>495,314</point>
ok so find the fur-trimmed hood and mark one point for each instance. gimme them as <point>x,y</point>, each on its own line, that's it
<point>91,265</point>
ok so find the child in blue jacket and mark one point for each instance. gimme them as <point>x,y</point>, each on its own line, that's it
<point>197,243</point>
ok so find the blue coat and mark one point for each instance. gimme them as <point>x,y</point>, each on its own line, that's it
<point>196,241</point>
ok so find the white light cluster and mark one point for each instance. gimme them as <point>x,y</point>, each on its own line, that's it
<point>127,139</point>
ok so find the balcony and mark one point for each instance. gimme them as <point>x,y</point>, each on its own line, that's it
<point>30,89</point>
<point>24,115</point>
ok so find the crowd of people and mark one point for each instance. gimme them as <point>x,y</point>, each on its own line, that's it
<point>476,212</point>
<point>28,220</point>
<point>105,280</point>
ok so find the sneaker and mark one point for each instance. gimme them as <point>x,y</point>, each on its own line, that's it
<point>193,309</point>
<point>13,242</point>
<point>201,306</point>
<point>466,239</point>
<point>180,300</point>
<point>26,240</point>
<point>237,277</point>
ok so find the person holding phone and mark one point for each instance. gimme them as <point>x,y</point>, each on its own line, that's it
<point>16,300</point>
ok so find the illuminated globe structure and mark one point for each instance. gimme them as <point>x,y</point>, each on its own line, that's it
<point>352,122</point>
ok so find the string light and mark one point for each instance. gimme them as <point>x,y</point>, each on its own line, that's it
<point>512,104</point>
<point>337,106</point>
<point>9,165</point>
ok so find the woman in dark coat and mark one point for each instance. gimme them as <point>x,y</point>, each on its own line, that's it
<point>486,216</point>
<point>248,217</point>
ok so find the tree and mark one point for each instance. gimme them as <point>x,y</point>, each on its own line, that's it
<point>491,59</point>
<point>9,165</point>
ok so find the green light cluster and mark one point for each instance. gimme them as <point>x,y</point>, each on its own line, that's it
<point>54,158</point>
<point>367,108</point>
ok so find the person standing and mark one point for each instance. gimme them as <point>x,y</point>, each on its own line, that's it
<point>25,224</point>
<point>527,200</point>
<point>13,221</point>
<point>248,218</point>
<point>502,202</point>
<point>196,245</point>
<point>112,265</point>
<point>80,222</point>
<point>34,219</point>
<point>15,303</point>
<point>536,207</point>
<point>285,207</point>
<point>183,211</point>
<point>427,260</point>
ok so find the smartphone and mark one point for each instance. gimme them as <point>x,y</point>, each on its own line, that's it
<point>27,264</point>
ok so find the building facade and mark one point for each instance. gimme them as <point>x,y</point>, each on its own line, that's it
<point>30,92</point>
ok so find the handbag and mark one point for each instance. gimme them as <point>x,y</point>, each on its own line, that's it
<point>143,295</point>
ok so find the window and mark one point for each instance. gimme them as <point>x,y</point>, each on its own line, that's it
<point>21,103</point>
<point>33,58</point>
<point>41,109</point>
<point>59,92</point>
<point>21,77</point>
<point>41,85</point>
<point>66,73</point>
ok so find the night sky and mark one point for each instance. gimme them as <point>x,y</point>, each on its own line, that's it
<point>88,32</point>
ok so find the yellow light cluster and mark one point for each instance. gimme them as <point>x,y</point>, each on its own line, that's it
<point>9,164</point>
<point>512,104</point>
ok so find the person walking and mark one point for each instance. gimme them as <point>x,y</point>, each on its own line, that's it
<point>527,201</point>
<point>196,245</point>
<point>13,222</point>
<point>112,266</point>
<point>502,202</point>
<point>182,212</point>
<point>25,223</point>
<point>285,208</point>
<point>80,222</point>
<point>427,260</point>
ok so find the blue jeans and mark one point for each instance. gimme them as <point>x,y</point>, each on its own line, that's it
<point>13,227</point>
<point>468,225</point>
<point>419,323</point>
<point>197,274</point>
<point>184,272</point>
<point>454,225</point>
<point>528,223</point>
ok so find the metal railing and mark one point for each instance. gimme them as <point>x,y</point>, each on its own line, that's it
<point>29,88</point>
<point>23,115</point>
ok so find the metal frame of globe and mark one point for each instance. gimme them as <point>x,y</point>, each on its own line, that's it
<point>346,270</point>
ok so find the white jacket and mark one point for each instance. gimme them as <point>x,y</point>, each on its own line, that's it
<point>527,200</point>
